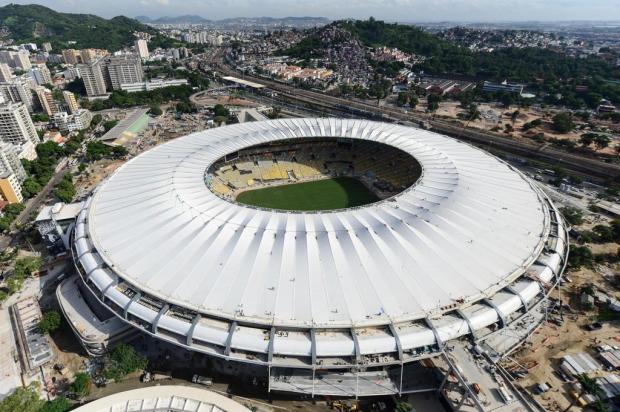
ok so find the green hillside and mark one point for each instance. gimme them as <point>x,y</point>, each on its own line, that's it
<point>34,23</point>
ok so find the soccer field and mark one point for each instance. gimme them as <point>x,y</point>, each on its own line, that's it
<point>328,194</point>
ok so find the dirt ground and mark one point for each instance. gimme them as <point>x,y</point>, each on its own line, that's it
<point>224,100</point>
<point>494,115</point>
<point>542,354</point>
<point>94,174</point>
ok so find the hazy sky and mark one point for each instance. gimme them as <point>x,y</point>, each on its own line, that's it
<point>393,10</point>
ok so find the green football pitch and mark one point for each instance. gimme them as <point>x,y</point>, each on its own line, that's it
<point>328,194</point>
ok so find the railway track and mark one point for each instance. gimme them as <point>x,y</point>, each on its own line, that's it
<point>576,163</point>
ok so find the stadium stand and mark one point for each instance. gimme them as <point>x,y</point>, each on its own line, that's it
<point>386,170</point>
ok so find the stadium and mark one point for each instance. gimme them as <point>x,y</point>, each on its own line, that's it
<point>319,251</point>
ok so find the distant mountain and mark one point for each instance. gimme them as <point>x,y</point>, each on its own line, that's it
<point>258,21</point>
<point>34,23</point>
<point>277,21</point>
<point>143,19</point>
<point>186,19</point>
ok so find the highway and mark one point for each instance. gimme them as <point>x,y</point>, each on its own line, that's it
<point>577,163</point>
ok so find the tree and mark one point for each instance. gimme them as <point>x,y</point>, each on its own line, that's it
<point>97,119</point>
<point>22,400</point>
<point>403,407</point>
<point>588,386</point>
<point>119,151</point>
<point>65,191</point>
<point>60,404</point>
<point>50,321</point>
<point>26,266</point>
<point>580,256</point>
<point>572,215</point>
<point>220,110</point>
<point>108,125</point>
<point>122,361</point>
<point>587,139</point>
<point>81,384</point>
<point>506,99</point>
<point>473,113</point>
<point>96,150</point>
<point>186,107</point>
<point>433,100</point>
<point>40,117</point>
<point>155,110</point>
<point>30,187</point>
<point>601,141</point>
<point>563,122</point>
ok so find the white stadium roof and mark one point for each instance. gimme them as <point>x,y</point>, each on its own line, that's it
<point>470,226</point>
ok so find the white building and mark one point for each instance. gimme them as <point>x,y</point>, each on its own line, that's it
<point>46,100</point>
<point>40,74</point>
<point>28,151</point>
<point>122,69</point>
<point>462,250</point>
<point>93,76</point>
<point>21,60</point>
<point>5,73</point>
<point>70,101</point>
<point>17,91</point>
<point>9,161</point>
<point>142,48</point>
<point>79,120</point>
<point>16,126</point>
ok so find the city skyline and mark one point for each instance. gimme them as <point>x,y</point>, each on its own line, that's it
<point>391,10</point>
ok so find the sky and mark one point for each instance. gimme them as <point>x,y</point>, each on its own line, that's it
<point>390,10</point>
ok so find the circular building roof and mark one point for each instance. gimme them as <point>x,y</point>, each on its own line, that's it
<point>467,228</point>
<point>164,398</point>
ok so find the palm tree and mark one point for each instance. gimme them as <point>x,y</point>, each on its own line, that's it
<point>589,386</point>
<point>473,113</point>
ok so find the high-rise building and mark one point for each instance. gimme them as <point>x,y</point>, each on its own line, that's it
<point>40,74</point>
<point>47,47</point>
<point>125,68</point>
<point>72,122</point>
<point>142,49</point>
<point>16,126</point>
<point>21,60</point>
<point>70,101</point>
<point>88,55</point>
<point>5,73</point>
<point>93,76</point>
<point>72,56</point>
<point>9,161</point>
<point>17,91</point>
<point>46,100</point>
<point>10,189</point>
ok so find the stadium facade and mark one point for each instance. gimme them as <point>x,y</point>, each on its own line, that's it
<point>467,249</point>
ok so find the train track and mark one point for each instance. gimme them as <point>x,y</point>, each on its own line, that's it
<point>580,164</point>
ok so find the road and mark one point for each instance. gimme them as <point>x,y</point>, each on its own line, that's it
<point>34,203</point>
<point>581,164</point>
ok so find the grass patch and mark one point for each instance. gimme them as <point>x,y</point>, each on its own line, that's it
<point>328,194</point>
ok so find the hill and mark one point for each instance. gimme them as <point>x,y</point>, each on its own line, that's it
<point>34,23</point>
<point>525,65</point>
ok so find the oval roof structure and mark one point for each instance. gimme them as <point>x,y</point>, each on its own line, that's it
<point>467,228</point>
